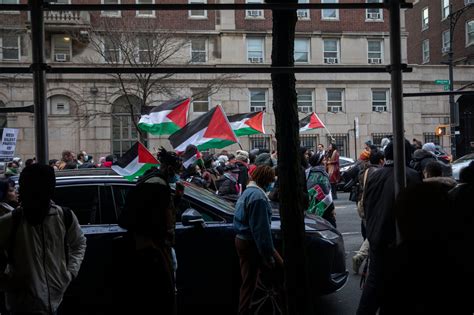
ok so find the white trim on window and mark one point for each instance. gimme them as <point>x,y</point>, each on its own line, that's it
<point>425,49</point>
<point>254,14</point>
<point>117,13</point>
<point>374,15</point>
<point>145,15</point>
<point>381,105</point>
<point>196,53</point>
<point>255,56</point>
<point>445,10</point>
<point>257,105</point>
<point>57,53</point>
<point>335,105</point>
<point>303,14</point>
<point>197,17</point>
<point>305,100</point>
<point>329,17</point>
<point>445,42</point>
<point>331,56</point>
<point>117,51</point>
<point>375,56</point>
<point>425,19</point>
<point>18,48</point>
<point>307,43</point>
<point>10,12</point>
<point>470,33</point>
<point>203,101</point>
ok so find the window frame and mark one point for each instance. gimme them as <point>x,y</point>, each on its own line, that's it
<point>425,59</point>
<point>152,49</point>
<point>197,17</point>
<point>443,46</point>
<point>262,41</point>
<point>257,108</point>
<point>381,52</point>
<point>49,103</point>
<point>387,99</point>
<point>303,14</point>
<point>338,50</point>
<point>444,8</point>
<point>368,11</point>
<point>469,43</point>
<point>197,101</point>
<point>141,15</point>
<point>323,18</point>
<point>18,48</point>
<point>425,26</point>
<point>342,102</point>
<point>299,106</point>
<point>191,51</point>
<point>113,14</point>
<point>307,52</point>
<point>119,60</point>
<point>53,50</point>
<point>11,12</point>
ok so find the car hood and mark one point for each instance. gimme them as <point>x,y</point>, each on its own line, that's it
<point>313,223</point>
<point>458,167</point>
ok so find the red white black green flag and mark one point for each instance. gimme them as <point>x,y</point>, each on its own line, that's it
<point>247,124</point>
<point>165,119</point>
<point>310,122</point>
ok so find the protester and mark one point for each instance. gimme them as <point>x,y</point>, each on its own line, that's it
<point>109,160</point>
<point>433,173</point>
<point>379,213</point>
<point>254,244</point>
<point>8,197</point>
<point>241,162</point>
<point>67,161</point>
<point>332,167</point>
<point>35,237</point>
<point>54,164</point>
<point>12,169</point>
<point>28,162</point>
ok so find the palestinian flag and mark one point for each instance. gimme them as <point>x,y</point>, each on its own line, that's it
<point>311,122</point>
<point>247,124</point>
<point>190,155</point>
<point>165,119</point>
<point>135,162</point>
<point>210,131</point>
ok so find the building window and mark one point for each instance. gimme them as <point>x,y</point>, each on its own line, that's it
<point>341,140</point>
<point>301,50</point>
<point>255,51</point>
<point>145,13</point>
<point>379,100</point>
<point>111,50</point>
<point>59,105</point>
<point>10,47</point>
<point>329,14</point>
<point>425,19</point>
<point>331,51</point>
<point>115,13</point>
<point>374,51</point>
<point>309,141</point>
<point>446,42</point>
<point>124,132</point>
<point>374,14</point>
<point>470,33</point>
<point>146,50</point>
<point>303,14</point>
<point>444,9</point>
<point>259,142</point>
<point>198,50</point>
<point>304,99</point>
<point>335,99</point>
<point>197,14</point>
<point>9,2</point>
<point>431,137</point>
<point>258,100</point>
<point>426,51</point>
<point>254,14</point>
<point>378,137</point>
<point>62,48</point>
<point>200,100</point>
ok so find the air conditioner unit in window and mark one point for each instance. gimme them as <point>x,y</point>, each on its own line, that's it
<point>254,13</point>
<point>60,57</point>
<point>380,109</point>
<point>375,61</point>
<point>334,109</point>
<point>302,14</point>
<point>330,60</point>
<point>255,59</point>
<point>466,2</point>
<point>445,50</point>
<point>373,16</point>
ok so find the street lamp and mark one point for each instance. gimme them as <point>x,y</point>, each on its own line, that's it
<point>453,109</point>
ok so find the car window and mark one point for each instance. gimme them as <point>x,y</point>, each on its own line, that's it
<point>464,158</point>
<point>120,193</point>
<point>208,197</point>
<point>83,200</point>
<point>108,214</point>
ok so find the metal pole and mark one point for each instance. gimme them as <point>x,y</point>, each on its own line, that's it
<point>397,97</point>
<point>452,104</point>
<point>39,81</point>
<point>355,141</point>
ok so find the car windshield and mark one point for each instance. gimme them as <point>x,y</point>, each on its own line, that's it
<point>464,158</point>
<point>208,197</point>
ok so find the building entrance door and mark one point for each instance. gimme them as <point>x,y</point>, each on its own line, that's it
<point>465,141</point>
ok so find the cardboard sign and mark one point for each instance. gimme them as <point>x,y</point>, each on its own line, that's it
<point>8,144</point>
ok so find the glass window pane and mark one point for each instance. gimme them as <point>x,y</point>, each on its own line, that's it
<point>257,95</point>
<point>330,45</point>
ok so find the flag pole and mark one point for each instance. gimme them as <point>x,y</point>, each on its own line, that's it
<point>329,133</point>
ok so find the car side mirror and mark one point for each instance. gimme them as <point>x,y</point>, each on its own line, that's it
<point>192,217</point>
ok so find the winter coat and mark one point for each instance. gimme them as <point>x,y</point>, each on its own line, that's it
<point>420,159</point>
<point>243,173</point>
<point>379,203</point>
<point>447,183</point>
<point>39,251</point>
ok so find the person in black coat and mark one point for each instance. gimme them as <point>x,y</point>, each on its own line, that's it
<point>381,229</point>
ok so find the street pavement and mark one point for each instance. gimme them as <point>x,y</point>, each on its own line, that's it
<point>346,300</point>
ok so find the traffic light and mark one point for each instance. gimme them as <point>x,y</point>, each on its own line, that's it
<point>441,130</point>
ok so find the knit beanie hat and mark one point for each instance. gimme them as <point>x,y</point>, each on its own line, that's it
<point>242,155</point>
<point>365,155</point>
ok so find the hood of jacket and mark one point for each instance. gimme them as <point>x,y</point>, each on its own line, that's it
<point>447,181</point>
<point>422,154</point>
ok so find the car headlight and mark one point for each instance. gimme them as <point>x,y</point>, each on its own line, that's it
<point>328,234</point>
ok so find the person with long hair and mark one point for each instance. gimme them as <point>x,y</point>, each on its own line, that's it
<point>332,166</point>
<point>254,243</point>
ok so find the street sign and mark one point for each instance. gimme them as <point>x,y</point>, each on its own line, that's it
<point>441,82</point>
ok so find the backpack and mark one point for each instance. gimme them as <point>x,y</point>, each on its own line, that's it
<point>16,219</point>
<point>360,203</point>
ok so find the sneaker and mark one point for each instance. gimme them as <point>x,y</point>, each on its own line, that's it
<point>357,261</point>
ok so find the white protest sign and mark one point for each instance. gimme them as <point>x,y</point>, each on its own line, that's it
<point>8,144</point>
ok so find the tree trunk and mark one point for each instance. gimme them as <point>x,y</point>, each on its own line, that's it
<point>290,173</point>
